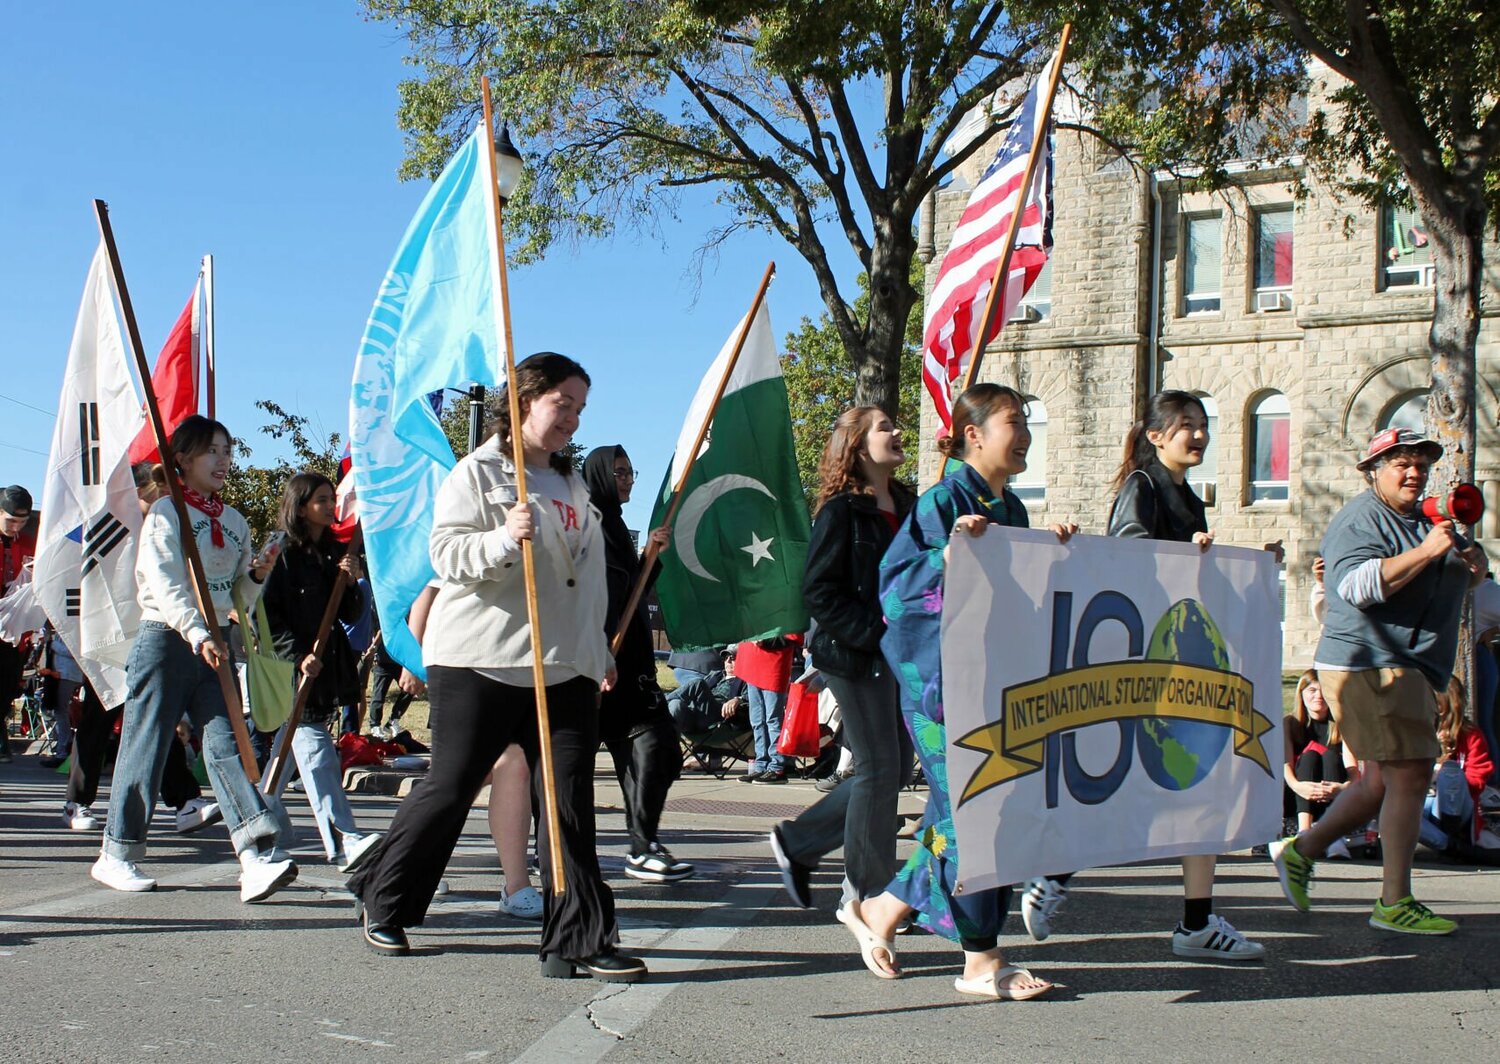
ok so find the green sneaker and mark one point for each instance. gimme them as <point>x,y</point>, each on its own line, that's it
<point>1410,917</point>
<point>1294,871</point>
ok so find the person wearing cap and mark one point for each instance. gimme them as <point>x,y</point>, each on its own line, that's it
<point>17,547</point>
<point>1396,586</point>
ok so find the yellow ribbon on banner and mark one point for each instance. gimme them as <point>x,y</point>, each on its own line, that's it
<point>1098,694</point>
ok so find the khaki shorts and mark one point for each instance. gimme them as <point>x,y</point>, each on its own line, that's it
<point>1384,714</point>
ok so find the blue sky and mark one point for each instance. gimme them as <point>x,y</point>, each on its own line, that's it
<point>265,134</point>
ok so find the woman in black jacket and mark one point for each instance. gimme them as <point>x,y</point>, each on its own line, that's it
<point>860,507</point>
<point>633,718</point>
<point>296,595</point>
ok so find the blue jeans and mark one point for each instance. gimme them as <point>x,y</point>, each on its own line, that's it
<point>165,680</point>
<point>323,779</point>
<point>766,711</point>
<point>1450,800</point>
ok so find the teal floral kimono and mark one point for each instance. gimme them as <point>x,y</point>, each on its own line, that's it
<point>911,595</point>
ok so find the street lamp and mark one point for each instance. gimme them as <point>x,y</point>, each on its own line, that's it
<point>508,165</point>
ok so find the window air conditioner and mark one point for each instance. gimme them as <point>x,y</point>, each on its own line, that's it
<point>1270,302</point>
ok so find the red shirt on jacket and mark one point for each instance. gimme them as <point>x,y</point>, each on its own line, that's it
<point>1473,756</point>
<point>770,670</point>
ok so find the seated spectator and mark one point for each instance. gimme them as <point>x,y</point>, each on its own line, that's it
<point>701,703</point>
<point>1449,822</point>
<point>1317,764</point>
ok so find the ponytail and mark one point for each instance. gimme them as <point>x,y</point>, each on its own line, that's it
<point>1164,411</point>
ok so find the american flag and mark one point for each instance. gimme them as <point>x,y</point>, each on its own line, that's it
<point>957,301</point>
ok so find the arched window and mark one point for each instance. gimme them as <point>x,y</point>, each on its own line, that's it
<point>1270,447</point>
<point>1031,485</point>
<point>1407,411</point>
<point>1205,476</point>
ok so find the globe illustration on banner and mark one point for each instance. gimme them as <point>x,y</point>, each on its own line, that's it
<point>1177,754</point>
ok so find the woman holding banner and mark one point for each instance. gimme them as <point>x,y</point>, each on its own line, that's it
<point>1154,501</point>
<point>478,653</point>
<point>991,438</point>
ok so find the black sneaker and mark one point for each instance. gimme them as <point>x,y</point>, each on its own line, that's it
<point>752,777</point>
<point>795,877</point>
<point>656,865</point>
<point>771,775</point>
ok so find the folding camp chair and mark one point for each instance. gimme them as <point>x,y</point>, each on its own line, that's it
<point>719,746</point>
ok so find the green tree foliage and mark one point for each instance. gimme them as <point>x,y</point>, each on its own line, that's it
<point>820,386</point>
<point>813,120</point>
<point>455,422</point>
<point>255,491</point>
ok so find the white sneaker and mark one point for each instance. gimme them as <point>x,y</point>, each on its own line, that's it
<point>263,874</point>
<point>1340,849</point>
<point>197,814</point>
<point>357,848</point>
<point>120,875</point>
<point>1041,900</point>
<point>1489,798</point>
<point>79,817</point>
<point>524,904</point>
<point>1217,940</point>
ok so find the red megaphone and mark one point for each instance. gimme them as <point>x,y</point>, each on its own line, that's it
<point>1465,505</point>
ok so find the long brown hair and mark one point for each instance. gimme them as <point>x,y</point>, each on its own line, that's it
<point>537,375</point>
<point>974,407</point>
<point>1164,412</point>
<point>839,469</point>
<point>193,436</point>
<point>1299,707</point>
<point>298,493</point>
<point>1450,715</point>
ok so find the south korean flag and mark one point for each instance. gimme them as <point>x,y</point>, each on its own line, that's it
<point>85,561</point>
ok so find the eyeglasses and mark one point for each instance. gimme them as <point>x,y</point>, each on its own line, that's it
<point>625,474</point>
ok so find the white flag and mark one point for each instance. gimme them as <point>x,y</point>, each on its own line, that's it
<point>85,560</point>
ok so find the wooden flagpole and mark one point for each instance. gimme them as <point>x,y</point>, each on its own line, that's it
<point>528,559</point>
<point>648,562</point>
<point>276,767</point>
<point>208,333</point>
<point>174,485</point>
<point>1002,268</point>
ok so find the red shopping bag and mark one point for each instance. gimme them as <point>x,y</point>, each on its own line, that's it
<point>799,725</point>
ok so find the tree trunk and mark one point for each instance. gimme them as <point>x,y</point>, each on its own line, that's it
<point>877,357</point>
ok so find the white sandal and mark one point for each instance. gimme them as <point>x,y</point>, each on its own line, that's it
<point>868,941</point>
<point>988,985</point>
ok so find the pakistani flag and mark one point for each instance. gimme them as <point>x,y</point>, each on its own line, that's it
<point>739,543</point>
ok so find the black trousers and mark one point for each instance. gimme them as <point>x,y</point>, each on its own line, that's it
<point>1319,766</point>
<point>91,738</point>
<point>647,763</point>
<point>382,677</point>
<point>473,719</point>
<point>11,667</point>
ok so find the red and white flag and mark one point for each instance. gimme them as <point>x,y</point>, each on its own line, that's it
<point>957,302</point>
<point>174,381</point>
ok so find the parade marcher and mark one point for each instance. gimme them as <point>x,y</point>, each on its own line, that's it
<point>478,652</point>
<point>172,666</point>
<point>296,596</point>
<point>633,718</point>
<point>1396,587</point>
<point>860,507</point>
<point>990,437</point>
<point>385,674</point>
<point>1154,501</point>
<point>17,548</point>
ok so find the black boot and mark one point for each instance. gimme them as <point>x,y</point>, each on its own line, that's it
<point>607,965</point>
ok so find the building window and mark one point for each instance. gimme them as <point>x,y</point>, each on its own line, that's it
<point>1271,445</point>
<point>1407,411</point>
<point>1405,249</point>
<point>1031,485</point>
<point>1202,264</point>
<point>1036,304</point>
<point>1204,477</point>
<point>1273,260</point>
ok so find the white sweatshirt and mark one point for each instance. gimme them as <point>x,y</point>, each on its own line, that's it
<point>165,590</point>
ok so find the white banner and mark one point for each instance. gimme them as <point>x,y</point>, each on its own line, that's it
<point>1107,701</point>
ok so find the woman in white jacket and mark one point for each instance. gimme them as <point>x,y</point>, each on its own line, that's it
<point>477,649</point>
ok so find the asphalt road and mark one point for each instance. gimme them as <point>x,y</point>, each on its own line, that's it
<point>189,974</point>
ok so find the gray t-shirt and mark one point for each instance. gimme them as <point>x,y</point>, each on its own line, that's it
<point>1415,627</point>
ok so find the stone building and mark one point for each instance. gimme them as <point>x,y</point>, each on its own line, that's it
<point>1303,324</point>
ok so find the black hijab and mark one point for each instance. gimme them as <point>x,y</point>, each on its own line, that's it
<point>604,493</point>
